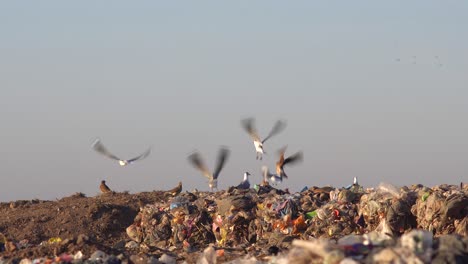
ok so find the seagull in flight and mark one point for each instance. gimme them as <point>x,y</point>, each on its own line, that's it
<point>289,160</point>
<point>197,162</point>
<point>99,147</point>
<point>245,184</point>
<point>268,176</point>
<point>249,126</point>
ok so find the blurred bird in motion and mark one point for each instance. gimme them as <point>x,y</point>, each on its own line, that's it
<point>176,190</point>
<point>99,147</point>
<point>268,176</point>
<point>104,188</point>
<point>298,156</point>
<point>248,125</point>
<point>197,162</point>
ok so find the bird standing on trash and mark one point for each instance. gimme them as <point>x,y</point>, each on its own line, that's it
<point>248,125</point>
<point>176,190</point>
<point>289,160</point>
<point>104,188</point>
<point>99,147</point>
<point>197,162</point>
<point>245,184</point>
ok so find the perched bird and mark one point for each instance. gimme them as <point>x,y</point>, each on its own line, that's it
<point>268,176</point>
<point>289,160</point>
<point>176,190</point>
<point>248,125</point>
<point>99,147</point>
<point>197,162</point>
<point>245,184</point>
<point>104,188</point>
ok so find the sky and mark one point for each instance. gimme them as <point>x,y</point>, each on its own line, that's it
<point>369,89</point>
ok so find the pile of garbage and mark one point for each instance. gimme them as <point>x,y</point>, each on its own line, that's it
<point>335,223</point>
<point>411,224</point>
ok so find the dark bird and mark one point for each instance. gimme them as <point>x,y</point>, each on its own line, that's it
<point>99,147</point>
<point>245,184</point>
<point>248,125</point>
<point>289,160</point>
<point>104,188</point>
<point>197,162</point>
<point>176,190</point>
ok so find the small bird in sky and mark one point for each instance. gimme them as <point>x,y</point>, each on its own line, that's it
<point>176,190</point>
<point>298,156</point>
<point>245,184</point>
<point>197,162</point>
<point>268,176</point>
<point>99,147</point>
<point>104,188</point>
<point>249,126</point>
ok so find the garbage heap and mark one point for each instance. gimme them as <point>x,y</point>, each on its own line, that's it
<point>265,220</point>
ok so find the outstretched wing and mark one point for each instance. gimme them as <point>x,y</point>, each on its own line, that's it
<point>281,152</point>
<point>99,147</point>
<point>140,157</point>
<point>197,162</point>
<point>265,172</point>
<point>277,128</point>
<point>248,125</point>
<point>298,156</point>
<point>222,157</point>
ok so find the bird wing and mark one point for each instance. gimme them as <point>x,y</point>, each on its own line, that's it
<point>222,157</point>
<point>140,157</point>
<point>298,156</point>
<point>99,147</point>
<point>265,172</point>
<point>248,125</point>
<point>197,162</point>
<point>278,127</point>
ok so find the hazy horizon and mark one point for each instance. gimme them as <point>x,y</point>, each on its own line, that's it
<point>372,90</point>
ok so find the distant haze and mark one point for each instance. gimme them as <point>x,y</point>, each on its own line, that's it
<point>373,90</point>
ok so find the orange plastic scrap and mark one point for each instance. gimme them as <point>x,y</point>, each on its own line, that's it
<point>283,225</point>
<point>220,252</point>
<point>299,225</point>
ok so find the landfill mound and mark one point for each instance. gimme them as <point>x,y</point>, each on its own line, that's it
<point>384,224</point>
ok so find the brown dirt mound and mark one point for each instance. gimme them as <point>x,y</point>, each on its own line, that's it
<point>82,223</point>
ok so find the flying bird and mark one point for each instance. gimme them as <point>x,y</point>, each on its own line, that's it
<point>289,160</point>
<point>197,162</point>
<point>99,147</point>
<point>245,184</point>
<point>104,188</point>
<point>176,190</point>
<point>249,126</point>
<point>268,176</point>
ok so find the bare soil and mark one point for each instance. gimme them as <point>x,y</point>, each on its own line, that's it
<point>84,224</point>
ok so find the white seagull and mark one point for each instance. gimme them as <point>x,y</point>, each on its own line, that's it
<point>245,184</point>
<point>268,176</point>
<point>248,125</point>
<point>99,147</point>
<point>197,162</point>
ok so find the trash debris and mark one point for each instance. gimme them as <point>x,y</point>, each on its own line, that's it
<point>262,224</point>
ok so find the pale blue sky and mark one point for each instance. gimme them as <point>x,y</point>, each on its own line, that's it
<point>373,90</point>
